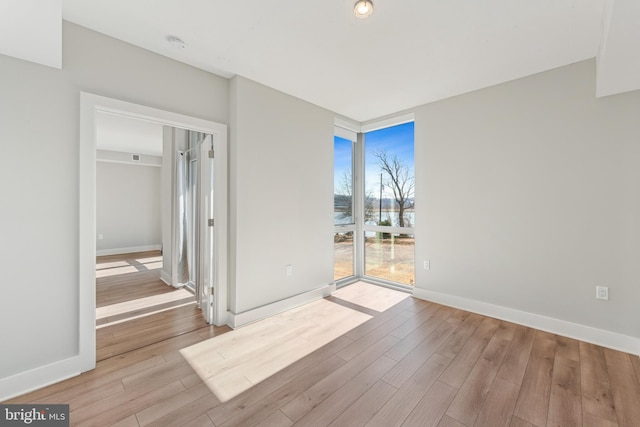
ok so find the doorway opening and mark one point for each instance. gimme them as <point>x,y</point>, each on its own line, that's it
<point>139,301</point>
<point>215,237</point>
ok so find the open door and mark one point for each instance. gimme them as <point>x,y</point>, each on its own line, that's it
<point>205,283</point>
<point>194,233</point>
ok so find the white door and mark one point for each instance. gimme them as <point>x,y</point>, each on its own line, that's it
<point>206,266</point>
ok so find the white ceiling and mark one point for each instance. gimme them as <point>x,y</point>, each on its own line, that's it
<point>32,30</point>
<point>619,58</point>
<point>128,135</point>
<point>409,53</point>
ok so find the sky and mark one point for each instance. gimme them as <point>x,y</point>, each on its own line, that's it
<point>343,159</point>
<point>395,140</point>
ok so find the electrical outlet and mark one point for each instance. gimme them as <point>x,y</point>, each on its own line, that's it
<point>289,270</point>
<point>427,264</point>
<point>602,292</point>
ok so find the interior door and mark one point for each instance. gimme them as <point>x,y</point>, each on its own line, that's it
<point>205,293</point>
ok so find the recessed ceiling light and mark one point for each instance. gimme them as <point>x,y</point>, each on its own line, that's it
<point>176,42</point>
<point>363,9</point>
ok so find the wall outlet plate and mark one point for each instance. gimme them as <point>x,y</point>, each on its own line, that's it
<point>602,292</point>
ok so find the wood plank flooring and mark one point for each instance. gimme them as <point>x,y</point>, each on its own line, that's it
<point>128,277</point>
<point>236,361</point>
<point>414,364</point>
<point>135,308</point>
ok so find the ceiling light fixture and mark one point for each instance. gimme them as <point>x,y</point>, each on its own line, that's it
<point>363,9</point>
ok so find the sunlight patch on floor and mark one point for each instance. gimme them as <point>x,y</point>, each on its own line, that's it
<point>153,265</point>
<point>145,314</point>
<point>114,268</point>
<point>107,272</point>
<point>140,303</point>
<point>150,259</point>
<point>237,360</point>
<point>113,264</point>
<point>373,297</point>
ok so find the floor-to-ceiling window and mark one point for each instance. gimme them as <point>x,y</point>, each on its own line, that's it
<point>344,217</point>
<point>374,207</point>
<point>389,208</point>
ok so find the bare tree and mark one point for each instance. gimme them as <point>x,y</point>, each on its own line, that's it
<point>400,181</point>
<point>346,187</point>
<point>347,183</point>
<point>369,207</point>
<point>346,195</point>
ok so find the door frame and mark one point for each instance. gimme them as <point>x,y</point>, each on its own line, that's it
<point>90,105</point>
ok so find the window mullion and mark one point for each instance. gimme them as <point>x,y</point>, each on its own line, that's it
<point>359,191</point>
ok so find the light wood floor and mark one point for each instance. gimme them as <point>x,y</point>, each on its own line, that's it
<point>128,277</point>
<point>415,364</point>
<point>234,362</point>
<point>135,308</point>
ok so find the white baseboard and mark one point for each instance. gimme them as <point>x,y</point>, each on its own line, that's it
<point>584,333</point>
<point>165,277</point>
<point>236,320</point>
<point>130,250</point>
<point>25,382</point>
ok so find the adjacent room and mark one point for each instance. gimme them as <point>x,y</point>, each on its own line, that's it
<point>138,300</point>
<point>350,212</point>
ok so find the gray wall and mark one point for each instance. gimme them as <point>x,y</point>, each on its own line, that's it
<point>281,195</point>
<point>528,196</point>
<point>128,214</point>
<point>39,133</point>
